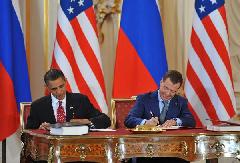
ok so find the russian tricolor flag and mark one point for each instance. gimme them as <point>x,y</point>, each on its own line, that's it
<point>14,80</point>
<point>140,59</point>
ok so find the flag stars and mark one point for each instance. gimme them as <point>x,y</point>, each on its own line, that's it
<point>72,0</point>
<point>202,9</point>
<point>213,1</point>
<point>70,10</point>
<point>80,2</point>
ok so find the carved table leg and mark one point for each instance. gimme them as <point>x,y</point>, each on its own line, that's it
<point>24,158</point>
<point>51,154</point>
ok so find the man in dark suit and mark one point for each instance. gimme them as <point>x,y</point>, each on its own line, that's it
<point>149,106</point>
<point>162,107</point>
<point>75,107</point>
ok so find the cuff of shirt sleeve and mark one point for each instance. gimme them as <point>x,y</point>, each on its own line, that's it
<point>143,122</point>
<point>178,121</point>
<point>91,126</point>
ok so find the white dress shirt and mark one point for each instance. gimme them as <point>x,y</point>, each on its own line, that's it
<point>55,105</point>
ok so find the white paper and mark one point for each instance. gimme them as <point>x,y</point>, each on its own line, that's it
<point>171,128</point>
<point>104,130</point>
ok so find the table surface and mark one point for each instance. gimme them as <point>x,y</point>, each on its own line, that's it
<point>111,146</point>
<point>128,133</point>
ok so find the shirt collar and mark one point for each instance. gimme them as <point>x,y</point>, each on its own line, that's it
<point>55,100</point>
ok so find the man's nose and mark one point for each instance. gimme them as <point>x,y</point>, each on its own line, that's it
<point>59,90</point>
<point>168,92</point>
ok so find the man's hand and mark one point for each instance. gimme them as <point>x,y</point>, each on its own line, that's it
<point>81,121</point>
<point>45,126</point>
<point>169,123</point>
<point>153,121</point>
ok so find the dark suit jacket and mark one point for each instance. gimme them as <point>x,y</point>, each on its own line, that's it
<point>77,104</point>
<point>149,102</point>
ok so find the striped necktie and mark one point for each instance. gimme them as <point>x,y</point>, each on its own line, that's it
<point>163,112</point>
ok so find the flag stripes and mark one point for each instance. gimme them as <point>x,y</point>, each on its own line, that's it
<point>199,30</point>
<point>201,92</point>
<point>91,17</point>
<point>89,51</point>
<point>211,71</point>
<point>218,43</point>
<point>77,54</point>
<point>209,86</point>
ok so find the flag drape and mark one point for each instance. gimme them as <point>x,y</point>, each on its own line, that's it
<point>77,51</point>
<point>14,80</point>
<point>209,84</point>
<point>140,57</point>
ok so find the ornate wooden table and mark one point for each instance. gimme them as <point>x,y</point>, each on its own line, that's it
<point>189,144</point>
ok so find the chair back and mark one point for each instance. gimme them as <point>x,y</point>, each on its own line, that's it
<point>120,109</point>
<point>24,113</point>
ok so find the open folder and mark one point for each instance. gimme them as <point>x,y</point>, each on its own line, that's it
<point>224,126</point>
<point>234,123</point>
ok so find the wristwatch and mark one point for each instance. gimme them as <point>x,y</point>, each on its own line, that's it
<point>91,125</point>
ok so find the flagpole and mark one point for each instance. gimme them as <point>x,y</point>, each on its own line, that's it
<point>4,151</point>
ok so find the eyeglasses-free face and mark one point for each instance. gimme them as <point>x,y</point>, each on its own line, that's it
<point>57,88</point>
<point>168,89</point>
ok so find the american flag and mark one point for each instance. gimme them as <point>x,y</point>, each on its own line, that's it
<point>77,51</point>
<point>209,84</point>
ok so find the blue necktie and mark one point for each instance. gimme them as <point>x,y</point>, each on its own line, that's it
<point>163,112</point>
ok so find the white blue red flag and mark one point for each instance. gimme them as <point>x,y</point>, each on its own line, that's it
<point>77,51</point>
<point>14,80</point>
<point>140,58</point>
<point>209,84</point>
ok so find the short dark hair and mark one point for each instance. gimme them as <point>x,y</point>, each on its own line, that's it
<point>174,76</point>
<point>53,74</point>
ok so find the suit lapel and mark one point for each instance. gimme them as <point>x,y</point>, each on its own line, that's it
<point>154,104</point>
<point>173,108</point>
<point>50,112</point>
<point>69,108</point>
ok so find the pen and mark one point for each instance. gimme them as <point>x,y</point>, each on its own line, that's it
<point>151,113</point>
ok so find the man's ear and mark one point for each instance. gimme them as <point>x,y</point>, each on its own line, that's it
<point>45,85</point>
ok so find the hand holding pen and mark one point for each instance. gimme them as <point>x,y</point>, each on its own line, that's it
<point>153,121</point>
<point>152,115</point>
